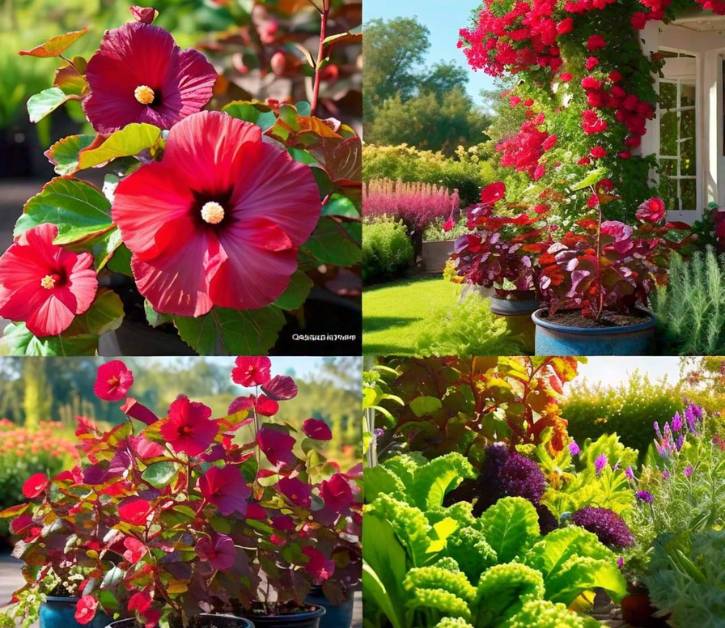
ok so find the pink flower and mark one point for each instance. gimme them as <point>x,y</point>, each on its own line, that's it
<point>591,63</point>
<point>219,551</point>
<point>140,75</point>
<point>43,284</point>
<point>493,193</point>
<point>319,567</point>
<point>251,371</point>
<point>280,388</point>
<point>188,428</point>
<point>652,210</point>
<point>86,609</point>
<point>226,489</point>
<point>138,411</point>
<point>230,212</point>
<point>276,445</point>
<point>135,550</point>
<point>35,485</point>
<point>113,381</point>
<point>134,510</point>
<point>596,42</point>
<point>319,430</point>
<point>261,404</point>
<point>140,602</point>
<point>337,493</point>
<point>297,492</point>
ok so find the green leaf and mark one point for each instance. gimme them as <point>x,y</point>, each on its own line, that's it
<point>381,480</point>
<point>78,209</point>
<point>154,318</point>
<point>64,153</point>
<point>434,479</point>
<point>260,115</point>
<point>594,177</point>
<point>510,525</point>
<point>231,332</point>
<point>339,205</point>
<point>121,261</point>
<point>130,140</point>
<point>335,242</point>
<point>159,474</point>
<point>424,406</point>
<point>296,293</point>
<point>582,573</point>
<point>45,102</point>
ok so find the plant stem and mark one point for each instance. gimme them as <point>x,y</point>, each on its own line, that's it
<point>324,17</point>
<point>600,292</point>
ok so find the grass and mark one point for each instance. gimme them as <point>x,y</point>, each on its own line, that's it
<point>394,313</point>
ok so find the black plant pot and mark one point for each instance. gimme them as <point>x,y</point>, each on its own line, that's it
<point>336,616</point>
<point>202,621</point>
<point>303,619</point>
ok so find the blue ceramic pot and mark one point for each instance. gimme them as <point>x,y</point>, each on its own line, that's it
<point>335,616</point>
<point>304,619</point>
<point>556,339</point>
<point>59,612</point>
<point>219,621</point>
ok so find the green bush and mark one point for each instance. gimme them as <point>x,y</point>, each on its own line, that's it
<point>466,328</point>
<point>386,252</point>
<point>468,171</point>
<point>690,310</point>
<point>628,409</point>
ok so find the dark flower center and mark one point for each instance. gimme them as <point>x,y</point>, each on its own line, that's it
<point>211,210</point>
<point>54,280</point>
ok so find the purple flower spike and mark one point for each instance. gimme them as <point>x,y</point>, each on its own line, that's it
<point>680,441</point>
<point>600,463</point>
<point>645,496</point>
<point>656,427</point>
<point>688,471</point>
<point>629,473</point>
<point>620,562</point>
<point>574,448</point>
<point>677,422</point>
<point>665,475</point>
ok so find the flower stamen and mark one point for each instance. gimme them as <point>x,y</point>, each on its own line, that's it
<point>212,213</point>
<point>144,94</point>
<point>48,282</point>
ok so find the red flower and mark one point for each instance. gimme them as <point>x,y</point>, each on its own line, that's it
<point>314,428</point>
<point>337,493</point>
<point>138,411</point>
<point>566,77</point>
<point>86,609</point>
<point>135,550</point>
<point>230,212</point>
<point>219,551</point>
<point>598,152</point>
<point>276,445</point>
<point>493,193</point>
<point>135,511</point>
<point>318,566</point>
<point>140,75</point>
<point>263,405</point>
<point>43,284</point>
<point>280,388</point>
<point>591,63</point>
<point>297,492</point>
<point>251,371</point>
<point>188,428</point>
<point>113,381</point>
<point>140,601</point>
<point>35,485</point>
<point>595,42</point>
<point>652,210</point>
<point>226,489</point>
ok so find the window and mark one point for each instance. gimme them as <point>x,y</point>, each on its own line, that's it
<point>677,115</point>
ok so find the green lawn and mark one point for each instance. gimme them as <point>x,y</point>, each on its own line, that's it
<point>393,312</point>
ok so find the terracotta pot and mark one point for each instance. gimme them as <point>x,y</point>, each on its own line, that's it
<point>637,609</point>
<point>435,254</point>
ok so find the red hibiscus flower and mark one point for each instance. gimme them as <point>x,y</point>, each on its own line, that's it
<point>319,567</point>
<point>652,210</point>
<point>297,492</point>
<point>337,493</point>
<point>226,489</point>
<point>280,388</point>
<point>276,445</point>
<point>251,371</point>
<point>314,428</point>
<point>135,550</point>
<point>219,551</point>
<point>113,381</point>
<point>230,212</point>
<point>86,609</point>
<point>138,411</point>
<point>134,510</point>
<point>493,193</point>
<point>35,485</point>
<point>140,601</point>
<point>140,75</point>
<point>189,429</point>
<point>43,284</point>
<point>261,404</point>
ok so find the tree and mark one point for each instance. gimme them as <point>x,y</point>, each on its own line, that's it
<point>37,400</point>
<point>444,77</point>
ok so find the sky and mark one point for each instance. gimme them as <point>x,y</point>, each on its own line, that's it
<point>298,366</point>
<point>618,370</point>
<point>444,20</point>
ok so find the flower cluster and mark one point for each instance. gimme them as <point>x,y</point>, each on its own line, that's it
<point>171,516</point>
<point>609,527</point>
<point>671,436</point>
<point>523,151</point>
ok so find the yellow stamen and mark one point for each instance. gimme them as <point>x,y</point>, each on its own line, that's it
<point>212,212</point>
<point>48,282</point>
<point>144,94</point>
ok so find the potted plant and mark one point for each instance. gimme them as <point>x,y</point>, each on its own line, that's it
<point>194,520</point>
<point>597,279</point>
<point>220,218</point>
<point>439,242</point>
<point>501,254</point>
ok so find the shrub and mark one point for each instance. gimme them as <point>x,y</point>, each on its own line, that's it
<point>627,409</point>
<point>690,310</point>
<point>468,171</point>
<point>387,251</point>
<point>466,328</point>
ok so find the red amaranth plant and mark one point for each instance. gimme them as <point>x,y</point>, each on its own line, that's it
<point>171,516</point>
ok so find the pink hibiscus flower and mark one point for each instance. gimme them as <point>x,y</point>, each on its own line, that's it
<point>296,491</point>
<point>276,445</point>
<point>319,430</point>
<point>113,381</point>
<point>337,493</point>
<point>251,371</point>
<point>229,213</point>
<point>189,428</point>
<point>43,284</point>
<point>226,489</point>
<point>140,75</point>
<point>86,608</point>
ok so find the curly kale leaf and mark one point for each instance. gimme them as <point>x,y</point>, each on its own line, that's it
<point>409,523</point>
<point>545,614</point>
<point>503,590</point>
<point>454,582</point>
<point>582,573</point>
<point>433,480</point>
<point>469,548</point>
<point>381,480</point>
<point>450,622</point>
<point>460,512</point>
<point>443,602</point>
<point>404,467</point>
<point>510,526</point>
